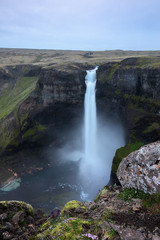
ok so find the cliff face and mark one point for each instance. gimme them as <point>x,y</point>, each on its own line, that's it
<point>131,87</point>
<point>34,99</point>
<point>30,96</point>
<point>140,77</point>
<point>60,86</point>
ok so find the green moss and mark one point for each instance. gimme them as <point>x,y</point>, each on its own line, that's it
<point>71,205</point>
<point>14,205</point>
<point>124,152</point>
<point>112,234</point>
<point>152,127</point>
<point>152,202</point>
<point>107,76</point>
<point>9,134</point>
<point>14,95</point>
<point>104,191</point>
<point>70,228</point>
<point>142,103</point>
<point>34,131</point>
<point>149,201</point>
<point>152,62</point>
<point>46,225</point>
<point>112,71</point>
<point>107,215</point>
<point>143,62</point>
<point>130,193</point>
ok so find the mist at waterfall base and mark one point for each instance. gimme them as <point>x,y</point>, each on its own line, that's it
<point>93,144</point>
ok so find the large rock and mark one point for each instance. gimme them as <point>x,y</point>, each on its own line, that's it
<point>141,169</point>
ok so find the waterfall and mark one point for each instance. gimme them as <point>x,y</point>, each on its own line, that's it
<point>90,118</point>
<point>101,137</point>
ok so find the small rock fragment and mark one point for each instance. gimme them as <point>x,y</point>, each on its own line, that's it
<point>3,216</point>
<point>6,235</point>
<point>18,217</point>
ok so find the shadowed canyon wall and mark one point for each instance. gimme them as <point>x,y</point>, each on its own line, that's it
<point>36,100</point>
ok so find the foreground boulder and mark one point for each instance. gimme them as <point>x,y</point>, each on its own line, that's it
<point>141,169</point>
<point>18,220</point>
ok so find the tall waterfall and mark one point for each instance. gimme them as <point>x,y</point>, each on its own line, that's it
<point>102,136</point>
<point>90,118</point>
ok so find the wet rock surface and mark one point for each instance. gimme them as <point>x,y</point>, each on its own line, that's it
<point>141,169</point>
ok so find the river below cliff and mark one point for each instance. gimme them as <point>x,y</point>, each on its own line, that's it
<point>52,176</point>
<point>49,188</point>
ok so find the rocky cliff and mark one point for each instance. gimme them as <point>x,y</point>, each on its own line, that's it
<point>38,99</point>
<point>29,98</point>
<point>131,87</point>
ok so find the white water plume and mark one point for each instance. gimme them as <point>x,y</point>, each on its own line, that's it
<point>90,118</point>
<point>101,139</point>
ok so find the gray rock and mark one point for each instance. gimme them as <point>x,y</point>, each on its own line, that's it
<point>30,219</point>
<point>3,216</point>
<point>18,217</point>
<point>141,169</point>
<point>130,234</point>
<point>127,233</point>
<point>155,237</point>
<point>8,226</point>
<point>6,235</point>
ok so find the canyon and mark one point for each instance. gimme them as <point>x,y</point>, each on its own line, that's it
<point>35,93</point>
<point>42,95</point>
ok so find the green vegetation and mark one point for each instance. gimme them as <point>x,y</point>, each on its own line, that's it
<point>112,71</point>
<point>148,62</point>
<point>124,152</point>
<point>8,136</point>
<point>14,205</point>
<point>142,103</point>
<point>62,57</point>
<point>104,191</point>
<point>107,215</point>
<point>68,226</point>
<point>10,100</point>
<point>34,131</point>
<point>107,76</point>
<point>149,201</point>
<point>152,127</point>
<point>71,205</point>
<point>65,228</point>
<point>130,193</point>
<point>112,233</point>
<point>14,95</point>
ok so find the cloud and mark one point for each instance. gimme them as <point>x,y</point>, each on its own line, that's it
<point>96,24</point>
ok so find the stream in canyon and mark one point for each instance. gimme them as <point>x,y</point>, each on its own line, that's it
<point>83,164</point>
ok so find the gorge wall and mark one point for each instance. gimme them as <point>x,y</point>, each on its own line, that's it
<point>133,90</point>
<point>36,99</point>
<point>31,96</point>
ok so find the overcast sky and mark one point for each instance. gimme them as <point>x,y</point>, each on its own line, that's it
<point>80,24</point>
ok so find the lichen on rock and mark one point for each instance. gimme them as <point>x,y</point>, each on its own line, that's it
<point>141,169</point>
